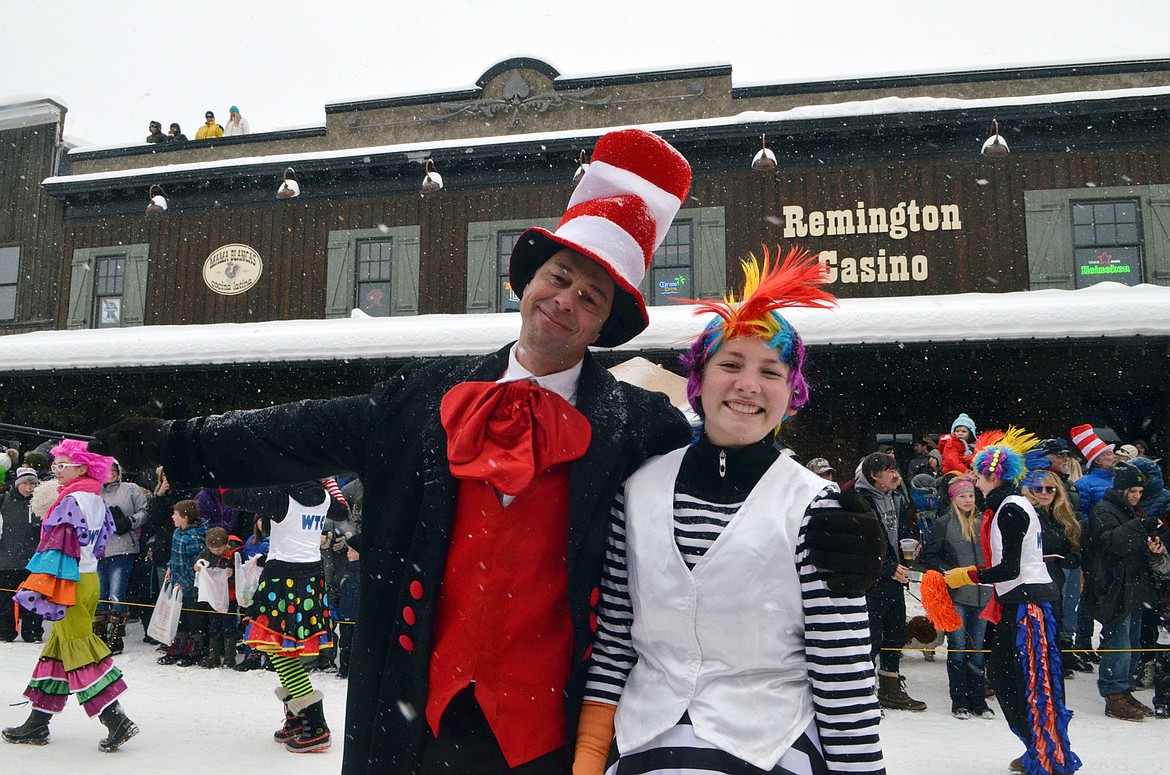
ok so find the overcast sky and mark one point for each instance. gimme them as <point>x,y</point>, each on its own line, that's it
<point>119,64</point>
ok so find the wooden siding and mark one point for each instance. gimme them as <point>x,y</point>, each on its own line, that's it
<point>988,254</point>
<point>32,220</point>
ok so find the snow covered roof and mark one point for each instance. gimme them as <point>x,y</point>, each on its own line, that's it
<point>419,151</point>
<point>1107,310</point>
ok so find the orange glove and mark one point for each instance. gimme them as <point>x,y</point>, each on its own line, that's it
<point>594,736</point>
<point>961,577</point>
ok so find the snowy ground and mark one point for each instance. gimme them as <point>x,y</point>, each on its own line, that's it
<point>193,719</point>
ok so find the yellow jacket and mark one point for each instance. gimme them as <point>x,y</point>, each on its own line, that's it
<point>208,131</point>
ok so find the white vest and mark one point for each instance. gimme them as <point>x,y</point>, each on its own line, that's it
<point>94,509</point>
<point>1032,567</point>
<point>724,641</point>
<point>297,537</point>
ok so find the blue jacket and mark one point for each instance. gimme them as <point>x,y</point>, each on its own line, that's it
<point>1155,497</point>
<point>186,545</point>
<point>1092,487</point>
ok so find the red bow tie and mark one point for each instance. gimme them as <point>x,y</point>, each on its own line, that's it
<point>509,433</point>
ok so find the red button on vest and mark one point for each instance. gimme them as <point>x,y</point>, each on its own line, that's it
<point>503,614</point>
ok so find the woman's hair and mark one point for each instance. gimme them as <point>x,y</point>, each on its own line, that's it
<point>1062,509</point>
<point>189,511</point>
<point>1074,470</point>
<point>97,466</point>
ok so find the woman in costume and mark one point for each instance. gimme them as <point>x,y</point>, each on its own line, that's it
<point>290,615</point>
<point>1024,666</point>
<point>719,646</point>
<point>63,588</point>
<point>954,542</point>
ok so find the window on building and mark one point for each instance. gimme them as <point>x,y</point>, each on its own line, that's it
<point>672,270</point>
<point>9,274</point>
<point>374,270</point>
<point>1107,242</point>
<point>1079,237</point>
<point>109,284</point>
<point>375,287</point>
<point>506,298</point>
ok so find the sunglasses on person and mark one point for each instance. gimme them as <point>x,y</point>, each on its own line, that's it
<point>59,467</point>
<point>1049,490</point>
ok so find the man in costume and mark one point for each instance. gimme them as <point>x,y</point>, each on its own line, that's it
<point>488,483</point>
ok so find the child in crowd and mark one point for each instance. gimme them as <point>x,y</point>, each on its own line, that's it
<point>958,446</point>
<point>347,604</point>
<point>186,544</point>
<point>221,627</point>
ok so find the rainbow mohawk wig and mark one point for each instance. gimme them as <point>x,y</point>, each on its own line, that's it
<point>794,282</point>
<point>1010,455</point>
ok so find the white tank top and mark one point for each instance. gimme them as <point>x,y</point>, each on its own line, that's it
<point>297,537</point>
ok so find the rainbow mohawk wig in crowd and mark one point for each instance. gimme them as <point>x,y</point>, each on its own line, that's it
<point>794,282</point>
<point>1010,455</point>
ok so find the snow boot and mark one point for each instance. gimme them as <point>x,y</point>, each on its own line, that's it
<point>960,710</point>
<point>119,726</point>
<point>1071,660</point>
<point>314,736</point>
<point>214,653</point>
<point>176,650</point>
<point>117,632</point>
<point>892,693</point>
<point>229,652</point>
<point>292,722</point>
<point>1144,678</point>
<point>101,626</point>
<point>195,652</point>
<point>34,731</point>
<point>1138,705</point>
<point>1117,706</point>
<point>979,708</point>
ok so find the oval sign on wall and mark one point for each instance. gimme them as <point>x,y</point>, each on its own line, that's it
<point>232,269</point>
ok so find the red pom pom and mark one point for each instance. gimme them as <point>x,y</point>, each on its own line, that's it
<point>936,599</point>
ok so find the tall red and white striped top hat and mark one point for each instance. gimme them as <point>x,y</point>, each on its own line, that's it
<point>1088,442</point>
<point>618,216</point>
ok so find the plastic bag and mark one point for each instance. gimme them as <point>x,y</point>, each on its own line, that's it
<point>212,586</point>
<point>164,622</point>
<point>247,578</point>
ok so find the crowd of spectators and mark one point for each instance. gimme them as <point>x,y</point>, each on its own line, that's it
<point>165,536</point>
<point>236,126</point>
<point>1103,512</point>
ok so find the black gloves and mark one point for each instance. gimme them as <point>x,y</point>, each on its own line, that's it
<point>847,544</point>
<point>122,524</point>
<point>133,441</point>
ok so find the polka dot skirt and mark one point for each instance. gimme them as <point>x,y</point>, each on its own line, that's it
<point>292,617</point>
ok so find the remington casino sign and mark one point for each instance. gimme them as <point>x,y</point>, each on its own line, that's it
<point>892,263</point>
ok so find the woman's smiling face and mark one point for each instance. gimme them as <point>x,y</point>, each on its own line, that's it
<point>745,393</point>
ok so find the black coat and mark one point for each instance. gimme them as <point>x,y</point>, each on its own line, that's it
<point>1117,560</point>
<point>393,439</point>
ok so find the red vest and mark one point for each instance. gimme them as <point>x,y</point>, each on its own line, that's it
<point>503,614</point>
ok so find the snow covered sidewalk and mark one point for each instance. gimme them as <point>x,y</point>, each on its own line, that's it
<point>193,718</point>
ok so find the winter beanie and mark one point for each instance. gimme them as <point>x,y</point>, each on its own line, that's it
<point>1126,475</point>
<point>964,421</point>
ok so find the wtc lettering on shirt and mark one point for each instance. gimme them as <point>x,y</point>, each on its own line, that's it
<point>312,521</point>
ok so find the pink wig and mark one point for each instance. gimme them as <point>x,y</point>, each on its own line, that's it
<point>78,452</point>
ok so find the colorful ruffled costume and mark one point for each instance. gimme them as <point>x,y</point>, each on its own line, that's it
<point>1025,655</point>
<point>63,588</point>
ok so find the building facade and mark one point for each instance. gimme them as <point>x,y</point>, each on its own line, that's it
<point>882,177</point>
